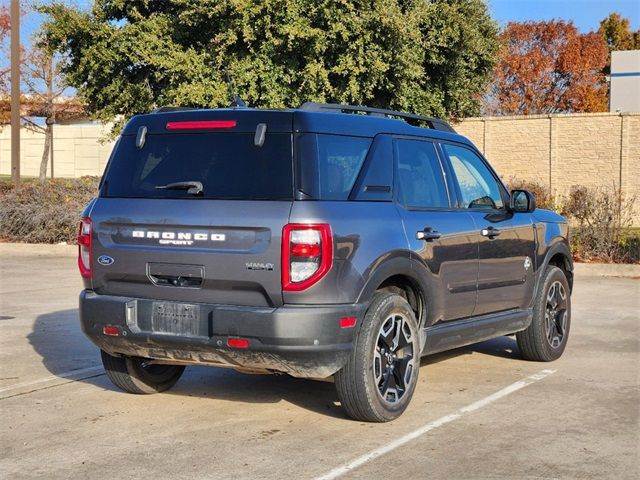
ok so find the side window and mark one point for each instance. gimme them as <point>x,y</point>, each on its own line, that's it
<point>420,179</point>
<point>478,186</point>
<point>339,161</point>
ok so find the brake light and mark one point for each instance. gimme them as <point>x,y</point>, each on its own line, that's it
<point>84,247</point>
<point>111,331</point>
<point>348,322</point>
<point>238,343</point>
<point>201,124</point>
<point>307,255</point>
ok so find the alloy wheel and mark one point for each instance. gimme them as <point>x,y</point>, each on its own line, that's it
<point>393,359</point>
<point>556,315</point>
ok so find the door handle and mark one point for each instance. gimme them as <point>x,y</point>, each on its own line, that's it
<point>428,234</point>
<point>490,232</point>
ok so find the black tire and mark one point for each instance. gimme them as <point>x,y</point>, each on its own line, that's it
<point>378,381</point>
<point>133,376</point>
<point>546,338</point>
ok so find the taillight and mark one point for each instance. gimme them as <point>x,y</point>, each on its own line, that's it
<point>307,254</point>
<point>84,247</point>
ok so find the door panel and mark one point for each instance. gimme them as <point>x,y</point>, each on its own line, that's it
<point>506,240</point>
<point>442,238</point>
<point>506,270</point>
<point>452,259</point>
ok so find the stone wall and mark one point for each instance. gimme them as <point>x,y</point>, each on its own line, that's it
<point>78,150</point>
<point>598,149</point>
<point>592,149</point>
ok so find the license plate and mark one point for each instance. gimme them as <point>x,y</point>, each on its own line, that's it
<point>175,318</point>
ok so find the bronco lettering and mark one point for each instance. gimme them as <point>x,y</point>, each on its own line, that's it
<point>178,238</point>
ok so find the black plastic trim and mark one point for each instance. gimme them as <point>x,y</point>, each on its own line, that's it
<point>449,335</point>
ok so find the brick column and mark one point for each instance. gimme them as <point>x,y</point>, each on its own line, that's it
<point>553,150</point>
<point>486,140</point>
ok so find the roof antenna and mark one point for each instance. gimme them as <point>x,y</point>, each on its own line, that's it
<point>236,100</point>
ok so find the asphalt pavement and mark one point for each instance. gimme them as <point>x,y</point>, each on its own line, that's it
<point>478,412</point>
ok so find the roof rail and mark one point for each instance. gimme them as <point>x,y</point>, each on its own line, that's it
<point>172,109</point>
<point>411,118</point>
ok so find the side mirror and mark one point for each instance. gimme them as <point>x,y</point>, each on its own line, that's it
<point>522,201</point>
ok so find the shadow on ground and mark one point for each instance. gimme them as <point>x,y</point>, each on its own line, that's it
<point>62,346</point>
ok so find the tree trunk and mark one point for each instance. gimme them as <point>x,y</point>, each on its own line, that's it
<point>45,154</point>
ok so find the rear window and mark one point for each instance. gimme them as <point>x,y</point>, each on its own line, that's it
<point>228,165</point>
<point>328,165</point>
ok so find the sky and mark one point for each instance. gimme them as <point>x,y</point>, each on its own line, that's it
<point>585,14</point>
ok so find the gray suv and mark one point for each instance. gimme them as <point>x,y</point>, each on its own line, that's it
<point>318,241</point>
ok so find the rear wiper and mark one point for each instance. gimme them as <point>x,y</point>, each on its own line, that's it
<point>192,187</point>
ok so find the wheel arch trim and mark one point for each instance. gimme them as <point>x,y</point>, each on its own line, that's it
<point>560,247</point>
<point>414,271</point>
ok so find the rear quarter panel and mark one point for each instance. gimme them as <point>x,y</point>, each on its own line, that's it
<point>365,235</point>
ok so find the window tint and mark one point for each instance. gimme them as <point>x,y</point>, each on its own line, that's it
<point>478,186</point>
<point>328,165</point>
<point>420,179</point>
<point>339,162</point>
<point>229,166</point>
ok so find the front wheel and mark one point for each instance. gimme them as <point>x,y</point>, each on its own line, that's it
<point>378,381</point>
<point>134,375</point>
<point>546,338</point>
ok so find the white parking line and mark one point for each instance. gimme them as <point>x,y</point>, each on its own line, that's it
<point>389,447</point>
<point>68,376</point>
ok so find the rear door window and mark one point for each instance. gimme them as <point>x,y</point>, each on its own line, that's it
<point>421,182</point>
<point>229,166</point>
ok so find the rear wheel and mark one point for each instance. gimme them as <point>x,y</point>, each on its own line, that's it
<point>134,375</point>
<point>378,381</point>
<point>546,338</point>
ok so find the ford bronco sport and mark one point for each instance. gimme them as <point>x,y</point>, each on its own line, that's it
<point>318,241</point>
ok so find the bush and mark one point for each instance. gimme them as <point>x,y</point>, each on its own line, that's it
<point>539,190</point>
<point>45,213</point>
<point>601,219</point>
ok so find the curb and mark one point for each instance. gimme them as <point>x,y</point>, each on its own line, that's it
<point>11,249</point>
<point>607,269</point>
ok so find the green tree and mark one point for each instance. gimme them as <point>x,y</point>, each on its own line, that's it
<point>616,31</point>
<point>130,56</point>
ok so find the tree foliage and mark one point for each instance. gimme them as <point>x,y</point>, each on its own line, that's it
<point>41,91</point>
<point>5,68</point>
<point>44,90</point>
<point>548,67</point>
<point>127,57</point>
<point>616,31</point>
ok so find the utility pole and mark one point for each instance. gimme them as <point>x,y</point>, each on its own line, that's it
<point>15,92</point>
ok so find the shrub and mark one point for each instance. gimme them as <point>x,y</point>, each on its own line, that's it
<point>601,219</point>
<point>539,190</point>
<point>45,212</point>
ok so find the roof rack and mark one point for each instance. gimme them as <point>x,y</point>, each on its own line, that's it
<point>410,118</point>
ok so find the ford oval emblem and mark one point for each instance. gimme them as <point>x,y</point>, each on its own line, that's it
<point>105,260</point>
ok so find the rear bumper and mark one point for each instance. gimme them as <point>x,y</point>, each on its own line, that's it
<point>301,341</point>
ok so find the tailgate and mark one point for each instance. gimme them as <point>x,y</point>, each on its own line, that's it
<point>205,251</point>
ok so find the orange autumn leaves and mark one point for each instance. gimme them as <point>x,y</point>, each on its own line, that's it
<point>549,67</point>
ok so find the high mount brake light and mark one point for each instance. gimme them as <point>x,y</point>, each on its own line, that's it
<point>201,124</point>
<point>307,255</point>
<point>85,249</point>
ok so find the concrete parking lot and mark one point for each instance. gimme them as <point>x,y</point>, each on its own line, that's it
<point>478,412</point>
